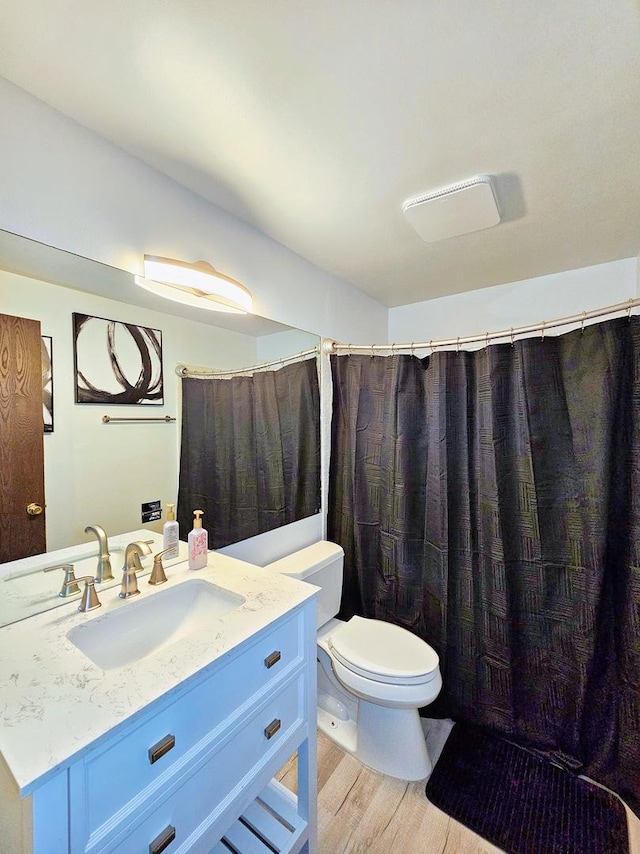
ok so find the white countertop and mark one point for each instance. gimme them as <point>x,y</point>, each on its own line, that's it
<point>55,703</point>
<point>26,589</point>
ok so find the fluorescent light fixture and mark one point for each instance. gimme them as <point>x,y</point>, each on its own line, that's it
<point>197,284</point>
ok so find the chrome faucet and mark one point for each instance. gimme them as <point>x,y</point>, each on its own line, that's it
<point>103,573</point>
<point>132,565</point>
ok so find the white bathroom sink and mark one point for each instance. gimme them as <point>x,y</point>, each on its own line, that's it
<point>140,628</point>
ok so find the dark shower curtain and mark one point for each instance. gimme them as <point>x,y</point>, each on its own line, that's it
<point>250,452</point>
<point>489,502</point>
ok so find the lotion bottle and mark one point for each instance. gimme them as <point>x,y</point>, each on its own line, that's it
<point>198,542</point>
<point>170,533</point>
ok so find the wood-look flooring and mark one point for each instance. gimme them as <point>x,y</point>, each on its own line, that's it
<point>361,811</point>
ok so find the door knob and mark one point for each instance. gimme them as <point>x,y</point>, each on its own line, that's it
<point>34,509</point>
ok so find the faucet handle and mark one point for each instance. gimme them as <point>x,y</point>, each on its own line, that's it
<point>69,585</point>
<point>89,599</point>
<point>158,575</point>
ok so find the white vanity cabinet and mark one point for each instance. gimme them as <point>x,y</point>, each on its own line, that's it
<point>193,770</point>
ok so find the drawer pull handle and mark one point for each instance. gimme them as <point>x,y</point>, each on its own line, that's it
<point>272,659</point>
<point>163,840</point>
<point>273,728</point>
<point>163,746</point>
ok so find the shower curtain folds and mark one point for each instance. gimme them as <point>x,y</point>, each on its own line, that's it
<point>250,452</point>
<point>489,501</point>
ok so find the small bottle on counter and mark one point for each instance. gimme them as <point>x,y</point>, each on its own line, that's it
<point>198,542</point>
<point>170,533</point>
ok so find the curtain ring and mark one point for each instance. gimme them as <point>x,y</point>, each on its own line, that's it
<point>372,351</point>
<point>582,324</point>
<point>629,309</point>
<point>431,346</point>
<point>544,323</point>
<point>512,336</point>
<point>458,345</point>
<point>486,340</point>
<point>413,348</point>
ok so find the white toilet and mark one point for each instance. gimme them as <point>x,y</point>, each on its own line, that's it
<point>373,676</point>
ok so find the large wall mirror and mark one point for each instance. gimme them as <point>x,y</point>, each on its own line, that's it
<point>99,473</point>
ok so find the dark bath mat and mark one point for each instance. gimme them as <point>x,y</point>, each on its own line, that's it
<point>523,803</point>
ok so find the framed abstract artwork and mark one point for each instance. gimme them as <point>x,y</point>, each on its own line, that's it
<point>47,383</point>
<point>116,362</point>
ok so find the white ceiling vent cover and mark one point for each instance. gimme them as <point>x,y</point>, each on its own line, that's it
<point>468,206</point>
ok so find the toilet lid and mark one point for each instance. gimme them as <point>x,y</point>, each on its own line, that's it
<point>383,652</point>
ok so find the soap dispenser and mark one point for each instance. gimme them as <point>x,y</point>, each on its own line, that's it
<point>198,542</point>
<point>170,533</point>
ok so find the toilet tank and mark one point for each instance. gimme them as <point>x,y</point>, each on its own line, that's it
<point>320,564</point>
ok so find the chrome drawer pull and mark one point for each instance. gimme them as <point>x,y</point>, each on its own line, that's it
<point>163,746</point>
<point>272,659</point>
<point>273,728</point>
<point>163,840</point>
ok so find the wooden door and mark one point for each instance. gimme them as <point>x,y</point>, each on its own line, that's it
<point>21,439</point>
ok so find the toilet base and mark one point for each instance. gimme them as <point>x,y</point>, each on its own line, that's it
<point>390,741</point>
<point>344,733</point>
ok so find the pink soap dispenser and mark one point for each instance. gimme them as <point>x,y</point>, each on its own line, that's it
<point>198,543</point>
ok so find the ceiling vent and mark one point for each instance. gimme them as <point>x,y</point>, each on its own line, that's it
<point>468,206</point>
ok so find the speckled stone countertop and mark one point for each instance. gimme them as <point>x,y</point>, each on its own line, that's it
<point>55,703</point>
<point>26,589</point>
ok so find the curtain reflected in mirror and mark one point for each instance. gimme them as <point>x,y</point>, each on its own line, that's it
<point>250,452</point>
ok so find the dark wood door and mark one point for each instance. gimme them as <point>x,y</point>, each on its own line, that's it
<point>22,527</point>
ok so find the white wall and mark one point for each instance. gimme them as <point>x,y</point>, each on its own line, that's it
<point>515,304</point>
<point>281,344</point>
<point>66,186</point>
<point>99,473</point>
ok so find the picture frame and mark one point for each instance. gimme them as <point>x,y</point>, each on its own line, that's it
<point>47,382</point>
<point>116,362</point>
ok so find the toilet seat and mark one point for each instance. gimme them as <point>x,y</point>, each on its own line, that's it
<point>383,652</point>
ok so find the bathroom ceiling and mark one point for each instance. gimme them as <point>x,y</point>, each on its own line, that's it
<point>314,121</point>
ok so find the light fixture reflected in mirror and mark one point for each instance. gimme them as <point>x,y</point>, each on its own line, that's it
<point>197,284</point>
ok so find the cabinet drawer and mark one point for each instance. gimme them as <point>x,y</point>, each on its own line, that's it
<point>193,809</point>
<point>143,760</point>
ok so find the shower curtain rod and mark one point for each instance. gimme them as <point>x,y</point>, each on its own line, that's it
<point>335,347</point>
<point>213,373</point>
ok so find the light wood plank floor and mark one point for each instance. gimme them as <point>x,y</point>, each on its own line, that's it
<point>361,811</point>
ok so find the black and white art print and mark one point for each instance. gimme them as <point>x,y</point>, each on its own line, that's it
<point>47,383</point>
<point>116,362</point>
